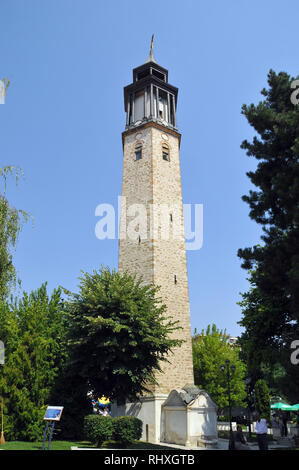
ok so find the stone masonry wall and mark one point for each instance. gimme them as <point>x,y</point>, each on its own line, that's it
<point>159,254</point>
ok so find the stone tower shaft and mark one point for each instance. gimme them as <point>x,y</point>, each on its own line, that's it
<point>152,242</point>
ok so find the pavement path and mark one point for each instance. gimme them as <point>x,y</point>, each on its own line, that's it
<point>222,445</point>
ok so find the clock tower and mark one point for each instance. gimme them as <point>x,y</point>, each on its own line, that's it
<point>155,247</point>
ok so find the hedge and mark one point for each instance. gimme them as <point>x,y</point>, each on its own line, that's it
<point>123,429</point>
<point>127,429</point>
<point>98,429</point>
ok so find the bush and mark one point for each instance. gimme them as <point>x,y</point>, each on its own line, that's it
<point>262,399</point>
<point>126,429</point>
<point>98,429</point>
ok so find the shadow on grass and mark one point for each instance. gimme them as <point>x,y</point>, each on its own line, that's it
<point>136,445</point>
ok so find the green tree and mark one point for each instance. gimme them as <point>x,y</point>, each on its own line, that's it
<point>34,334</point>
<point>120,334</point>
<point>210,351</point>
<point>262,398</point>
<point>11,221</point>
<point>270,309</point>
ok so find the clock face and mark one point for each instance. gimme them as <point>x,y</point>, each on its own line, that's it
<point>164,136</point>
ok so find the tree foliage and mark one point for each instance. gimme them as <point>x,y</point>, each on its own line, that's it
<point>122,429</point>
<point>11,221</point>
<point>119,334</point>
<point>34,334</point>
<point>270,309</point>
<point>262,398</point>
<point>210,351</point>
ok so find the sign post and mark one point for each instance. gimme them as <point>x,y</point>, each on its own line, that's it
<point>53,414</point>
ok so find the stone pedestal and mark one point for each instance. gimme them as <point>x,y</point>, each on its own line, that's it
<point>189,418</point>
<point>186,417</point>
<point>148,409</point>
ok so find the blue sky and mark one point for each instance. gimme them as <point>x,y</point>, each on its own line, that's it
<point>68,61</point>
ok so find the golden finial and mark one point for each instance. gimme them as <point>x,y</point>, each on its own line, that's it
<point>151,53</point>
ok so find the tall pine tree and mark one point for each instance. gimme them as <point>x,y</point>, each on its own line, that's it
<point>271,307</point>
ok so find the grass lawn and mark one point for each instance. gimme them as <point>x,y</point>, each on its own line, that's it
<point>66,445</point>
<point>55,445</point>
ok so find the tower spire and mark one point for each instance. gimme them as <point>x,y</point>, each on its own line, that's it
<point>151,52</point>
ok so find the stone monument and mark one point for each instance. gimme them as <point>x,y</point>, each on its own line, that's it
<point>152,184</point>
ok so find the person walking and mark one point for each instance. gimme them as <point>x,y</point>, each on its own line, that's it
<point>261,432</point>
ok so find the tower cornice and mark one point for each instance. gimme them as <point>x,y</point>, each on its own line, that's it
<point>164,129</point>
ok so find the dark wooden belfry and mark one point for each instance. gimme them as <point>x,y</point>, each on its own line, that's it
<point>150,97</point>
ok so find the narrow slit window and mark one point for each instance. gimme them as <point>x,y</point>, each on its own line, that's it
<point>175,279</point>
<point>138,152</point>
<point>165,152</point>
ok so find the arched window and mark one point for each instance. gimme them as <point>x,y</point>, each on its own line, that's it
<point>165,152</point>
<point>138,151</point>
